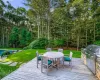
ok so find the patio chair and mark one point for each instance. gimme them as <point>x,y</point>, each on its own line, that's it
<point>49,49</point>
<point>46,63</point>
<point>68,58</point>
<point>60,50</point>
<point>38,56</point>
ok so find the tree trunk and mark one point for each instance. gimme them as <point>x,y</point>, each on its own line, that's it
<point>3,37</point>
<point>78,42</point>
<point>38,32</point>
<point>94,33</point>
<point>48,32</point>
<point>86,38</point>
<point>86,35</point>
<point>40,27</point>
<point>48,28</point>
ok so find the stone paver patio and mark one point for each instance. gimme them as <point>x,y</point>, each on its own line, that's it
<point>29,71</point>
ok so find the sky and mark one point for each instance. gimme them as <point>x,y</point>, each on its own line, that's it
<point>16,3</point>
<point>19,3</point>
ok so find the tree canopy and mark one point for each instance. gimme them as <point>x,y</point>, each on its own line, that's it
<point>75,22</point>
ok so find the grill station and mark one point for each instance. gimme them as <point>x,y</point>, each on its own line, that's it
<point>91,58</point>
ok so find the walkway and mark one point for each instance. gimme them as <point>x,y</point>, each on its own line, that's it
<point>29,71</point>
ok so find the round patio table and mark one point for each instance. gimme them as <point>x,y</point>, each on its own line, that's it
<point>54,55</point>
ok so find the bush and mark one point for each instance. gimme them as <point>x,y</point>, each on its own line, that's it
<point>58,43</point>
<point>39,43</point>
<point>97,43</point>
<point>27,47</point>
<point>51,43</point>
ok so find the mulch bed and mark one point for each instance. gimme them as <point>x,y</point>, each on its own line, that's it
<point>66,48</point>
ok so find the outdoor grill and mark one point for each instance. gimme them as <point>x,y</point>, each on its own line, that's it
<point>91,58</point>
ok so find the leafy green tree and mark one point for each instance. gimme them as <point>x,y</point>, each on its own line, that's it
<point>25,37</point>
<point>23,34</point>
<point>41,14</point>
<point>28,37</point>
<point>14,37</point>
<point>75,21</point>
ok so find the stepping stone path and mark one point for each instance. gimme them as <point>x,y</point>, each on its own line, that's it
<point>3,58</point>
<point>13,64</point>
<point>10,63</point>
<point>6,62</point>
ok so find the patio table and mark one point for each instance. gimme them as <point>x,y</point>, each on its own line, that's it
<point>55,56</point>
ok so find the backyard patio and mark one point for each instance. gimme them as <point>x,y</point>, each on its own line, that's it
<point>49,39</point>
<point>29,71</point>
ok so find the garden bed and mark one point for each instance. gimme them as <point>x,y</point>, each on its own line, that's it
<point>67,48</point>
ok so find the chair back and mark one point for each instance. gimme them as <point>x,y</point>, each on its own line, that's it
<point>44,60</point>
<point>71,54</point>
<point>48,49</point>
<point>60,50</point>
<point>37,54</point>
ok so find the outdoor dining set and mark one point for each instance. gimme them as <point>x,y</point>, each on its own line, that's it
<point>53,59</point>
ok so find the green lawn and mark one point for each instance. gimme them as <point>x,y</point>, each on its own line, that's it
<point>27,55</point>
<point>5,70</point>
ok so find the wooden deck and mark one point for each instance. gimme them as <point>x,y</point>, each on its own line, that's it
<point>29,71</point>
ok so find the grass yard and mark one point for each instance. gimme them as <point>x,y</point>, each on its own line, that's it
<point>24,56</point>
<point>5,70</point>
<point>27,55</point>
